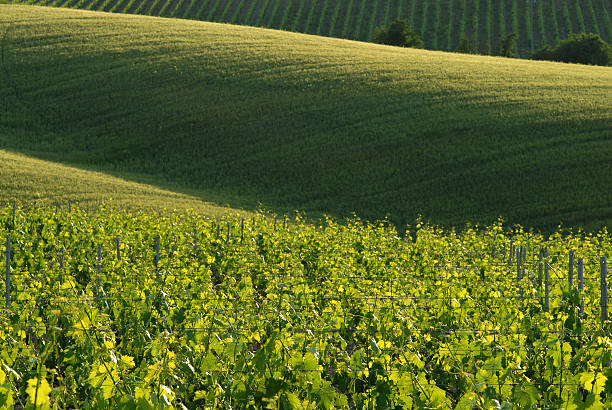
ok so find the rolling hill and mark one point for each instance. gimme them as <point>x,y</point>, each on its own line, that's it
<point>294,121</point>
<point>441,23</point>
<point>33,182</point>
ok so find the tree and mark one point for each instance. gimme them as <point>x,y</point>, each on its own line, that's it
<point>508,46</point>
<point>398,34</point>
<point>578,48</point>
<point>586,49</point>
<point>545,53</point>
<point>467,46</point>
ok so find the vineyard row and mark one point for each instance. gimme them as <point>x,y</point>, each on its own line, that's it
<point>441,23</point>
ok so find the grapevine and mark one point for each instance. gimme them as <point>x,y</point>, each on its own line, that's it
<point>179,310</point>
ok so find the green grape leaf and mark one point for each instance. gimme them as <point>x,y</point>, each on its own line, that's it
<point>38,392</point>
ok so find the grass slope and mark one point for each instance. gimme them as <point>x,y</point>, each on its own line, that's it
<point>27,180</point>
<point>546,23</point>
<point>318,124</point>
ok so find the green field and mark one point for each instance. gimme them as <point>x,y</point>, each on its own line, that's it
<point>244,116</point>
<point>441,22</point>
<point>28,180</point>
<point>147,311</point>
<point>247,116</point>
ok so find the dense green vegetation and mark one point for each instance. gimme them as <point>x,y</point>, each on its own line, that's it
<point>578,48</point>
<point>112,310</point>
<point>398,34</point>
<point>441,23</point>
<point>301,122</point>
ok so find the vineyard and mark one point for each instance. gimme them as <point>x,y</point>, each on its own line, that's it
<point>441,23</point>
<point>105,308</point>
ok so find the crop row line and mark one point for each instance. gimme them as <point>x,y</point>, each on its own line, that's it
<point>535,23</point>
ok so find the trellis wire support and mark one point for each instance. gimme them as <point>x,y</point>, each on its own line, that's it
<point>546,283</point>
<point>570,268</point>
<point>99,270</point>
<point>540,264</point>
<point>61,272</point>
<point>603,264</point>
<point>8,272</point>
<point>157,257</point>
<point>14,208</point>
<point>580,285</point>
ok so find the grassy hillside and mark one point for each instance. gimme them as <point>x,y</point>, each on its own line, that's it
<point>303,122</point>
<point>441,22</point>
<point>28,180</point>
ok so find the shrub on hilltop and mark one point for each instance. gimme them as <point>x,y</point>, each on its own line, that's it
<point>467,46</point>
<point>398,33</point>
<point>580,48</point>
<point>508,47</point>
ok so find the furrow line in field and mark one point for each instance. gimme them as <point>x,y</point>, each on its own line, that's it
<point>93,5</point>
<point>168,5</point>
<point>488,26</point>
<point>554,22</point>
<point>594,26</point>
<point>476,22</point>
<point>529,26</point>
<point>566,18</point>
<point>273,13</point>
<point>463,19</point>
<point>321,20</point>
<point>234,18</point>
<point>515,23</point>
<point>181,9</point>
<point>450,26</point>
<point>108,4</point>
<point>130,6</point>
<point>118,7</point>
<point>69,3</point>
<point>501,25</point>
<point>413,5</point>
<point>423,28</point>
<point>436,28</point>
<point>387,13</point>
<point>541,26</point>
<point>606,18</point>
<point>250,11</point>
<point>360,16</point>
<point>201,9</point>
<point>310,17</point>
<point>261,13</point>
<point>55,3</point>
<point>154,6</point>
<point>298,16</point>
<point>372,23</point>
<point>284,24</point>
<point>347,19</point>
<point>213,10</point>
<point>333,25</point>
<point>226,10</point>
<point>140,5</point>
<point>579,16</point>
